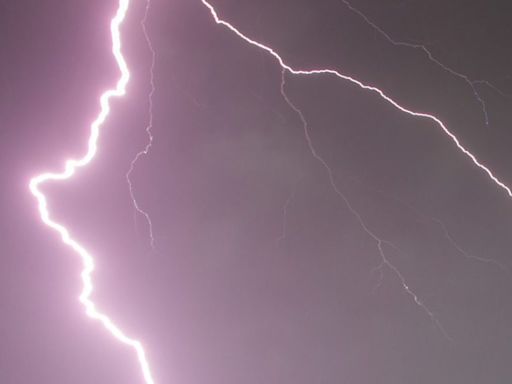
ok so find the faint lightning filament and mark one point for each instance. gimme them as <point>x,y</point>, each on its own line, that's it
<point>149,128</point>
<point>471,83</point>
<point>380,242</point>
<point>70,168</point>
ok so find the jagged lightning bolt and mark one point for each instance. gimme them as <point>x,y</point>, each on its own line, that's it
<point>360,84</point>
<point>379,242</point>
<point>71,165</point>
<point>471,83</point>
<point>149,128</point>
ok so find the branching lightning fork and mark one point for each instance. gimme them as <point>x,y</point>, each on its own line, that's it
<point>380,242</point>
<point>71,165</point>
<point>471,83</point>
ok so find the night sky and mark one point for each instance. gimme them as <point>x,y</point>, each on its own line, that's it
<point>261,271</point>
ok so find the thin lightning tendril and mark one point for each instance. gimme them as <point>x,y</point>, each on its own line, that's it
<point>149,128</point>
<point>385,262</point>
<point>71,165</point>
<point>446,233</point>
<point>286,206</point>
<point>467,255</point>
<point>471,83</point>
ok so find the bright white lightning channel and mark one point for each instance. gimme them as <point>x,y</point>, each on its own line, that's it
<point>71,165</point>
<point>385,262</point>
<point>327,71</point>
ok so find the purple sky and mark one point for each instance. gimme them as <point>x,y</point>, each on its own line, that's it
<point>261,274</point>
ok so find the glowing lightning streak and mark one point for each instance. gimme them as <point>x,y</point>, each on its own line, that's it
<point>339,75</point>
<point>380,243</point>
<point>426,51</point>
<point>70,168</point>
<point>149,128</point>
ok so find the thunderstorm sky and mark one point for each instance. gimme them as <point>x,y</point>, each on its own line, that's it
<point>375,252</point>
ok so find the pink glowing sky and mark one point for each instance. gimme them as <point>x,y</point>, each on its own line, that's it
<point>260,270</point>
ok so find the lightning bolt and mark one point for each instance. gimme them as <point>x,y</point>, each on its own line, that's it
<point>385,262</point>
<point>71,165</point>
<point>149,127</point>
<point>471,83</point>
<point>379,92</point>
